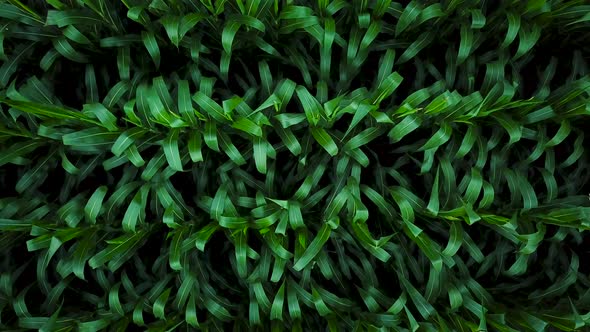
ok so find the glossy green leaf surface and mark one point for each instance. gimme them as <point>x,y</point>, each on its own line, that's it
<point>262,165</point>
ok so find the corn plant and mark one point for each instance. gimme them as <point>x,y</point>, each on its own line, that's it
<point>244,165</point>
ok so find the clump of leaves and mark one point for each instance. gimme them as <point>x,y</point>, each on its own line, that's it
<point>298,165</point>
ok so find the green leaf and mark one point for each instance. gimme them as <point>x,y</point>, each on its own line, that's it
<point>172,25</point>
<point>325,140</point>
<point>160,304</point>
<point>434,202</point>
<point>175,248</point>
<point>293,301</point>
<point>230,149</point>
<point>363,138</point>
<point>210,107</point>
<point>314,248</point>
<point>563,132</point>
<point>92,140</point>
<point>407,125</point>
<point>34,177</point>
<point>48,111</point>
<point>9,67</point>
<point>466,45</point>
<point>48,59</point>
<point>387,87</point>
<point>289,140</point>
<point>94,205</point>
<point>478,20</point>
<point>313,109</point>
<point>467,142</point>
<point>114,301</point>
<point>248,126</point>
<point>295,216</point>
<point>409,15</point>
<point>136,210</point>
<point>194,146</point>
<point>439,138</point>
<point>185,104</point>
<point>82,254</point>
<point>15,225</point>
<point>424,308</point>
<point>63,46</point>
<point>512,127</point>
<point>231,28</point>
<point>420,43</point>
<point>513,29</point>
<point>276,311</point>
<point>241,255</point>
<point>188,22</point>
<point>150,43</point>
<point>455,240</point>
<point>228,34</point>
<point>210,136</point>
<point>474,186</point>
<point>124,62</point>
<point>159,85</point>
<point>561,285</point>
<point>106,118</point>
<point>170,146</point>
<point>203,235</point>
<point>260,154</point>
<point>118,251</point>
<point>191,312</point>
<point>18,150</point>
<point>126,139</point>
<point>527,39</point>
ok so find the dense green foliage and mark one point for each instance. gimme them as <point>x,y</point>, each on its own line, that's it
<point>294,165</point>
